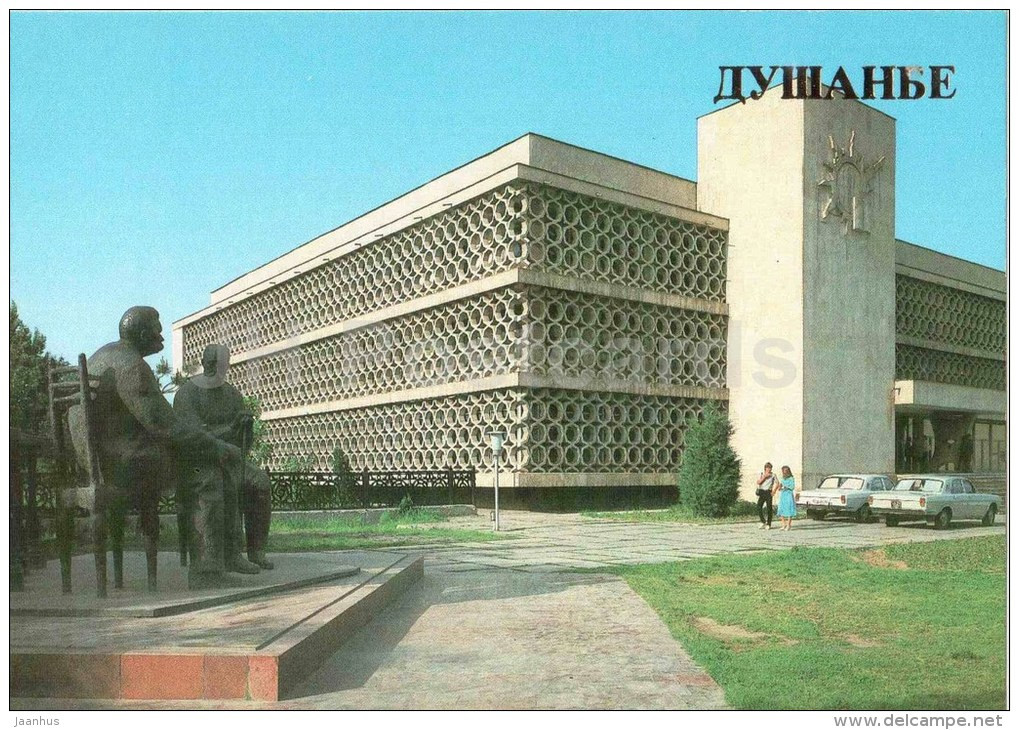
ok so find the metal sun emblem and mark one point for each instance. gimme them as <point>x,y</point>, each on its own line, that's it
<point>848,180</point>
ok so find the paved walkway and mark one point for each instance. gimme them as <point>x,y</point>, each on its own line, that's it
<point>504,639</point>
<point>511,624</point>
<point>551,542</point>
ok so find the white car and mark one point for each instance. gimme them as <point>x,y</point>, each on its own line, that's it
<point>844,494</point>
<point>936,498</point>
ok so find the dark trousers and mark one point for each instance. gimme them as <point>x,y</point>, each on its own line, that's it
<point>764,506</point>
<point>214,528</point>
<point>256,505</point>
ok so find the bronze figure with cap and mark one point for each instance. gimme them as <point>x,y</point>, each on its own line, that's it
<point>209,402</point>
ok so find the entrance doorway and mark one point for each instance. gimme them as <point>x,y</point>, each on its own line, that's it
<point>948,441</point>
<point>989,446</point>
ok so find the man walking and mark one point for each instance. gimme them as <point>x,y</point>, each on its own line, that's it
<point>765,484</point>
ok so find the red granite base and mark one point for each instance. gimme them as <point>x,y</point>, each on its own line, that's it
<point>256,649</point>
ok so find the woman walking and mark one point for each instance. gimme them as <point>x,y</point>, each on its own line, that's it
<point>786,501</point>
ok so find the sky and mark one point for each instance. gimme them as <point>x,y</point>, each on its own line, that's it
<point>156,156</point>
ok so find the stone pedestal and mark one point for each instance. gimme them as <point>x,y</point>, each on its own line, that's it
<point>253,640</point>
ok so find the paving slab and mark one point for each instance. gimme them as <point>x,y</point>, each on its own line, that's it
<point>554,538</point>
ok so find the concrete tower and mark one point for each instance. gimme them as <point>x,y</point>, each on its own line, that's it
<point>808,187</point>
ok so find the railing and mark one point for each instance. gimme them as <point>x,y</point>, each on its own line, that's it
<point>364,489</point>
<point>320,490</point>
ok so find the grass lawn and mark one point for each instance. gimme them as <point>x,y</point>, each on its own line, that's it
<point>911,626</point>
<point>741,512</point>
<point>300,533</point>
<point>294,533</point>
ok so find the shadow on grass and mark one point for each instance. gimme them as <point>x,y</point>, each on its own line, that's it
<point>317,532</point>
<point>826,628</point>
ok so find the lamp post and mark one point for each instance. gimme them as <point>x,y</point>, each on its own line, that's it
<point>498,437</point>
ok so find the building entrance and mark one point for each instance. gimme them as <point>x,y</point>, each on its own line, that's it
<point>948,441</point>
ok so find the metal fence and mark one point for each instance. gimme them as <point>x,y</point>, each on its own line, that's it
<point>361,490</point>
<point>322,490</point>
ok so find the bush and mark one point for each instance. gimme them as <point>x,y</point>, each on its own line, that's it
<point>296,464</point>
<point>710,472</point>
<point>346,480</point>
<point>340,462</point>
<point>259,450</point>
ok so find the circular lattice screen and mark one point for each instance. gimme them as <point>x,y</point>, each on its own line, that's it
<point>944,315</point>
<point>547,431</point>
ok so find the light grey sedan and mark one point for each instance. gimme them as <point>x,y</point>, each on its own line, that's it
<point>938,499</point>
<point>845,494</point>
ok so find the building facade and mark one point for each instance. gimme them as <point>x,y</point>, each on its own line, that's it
<point>589,307</point>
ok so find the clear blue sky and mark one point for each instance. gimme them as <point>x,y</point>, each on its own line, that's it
<point>156,156</point>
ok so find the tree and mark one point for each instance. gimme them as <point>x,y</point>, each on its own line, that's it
<point>297,464</point>
<point>340,462</point>
<point>346,480</point>
<point>170,381</point>
<point>261,450</point>
<point>710,473</point>
<point>28,400</point>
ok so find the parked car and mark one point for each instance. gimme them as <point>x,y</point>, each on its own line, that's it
<point>936,498</point>
<point>844,494</point>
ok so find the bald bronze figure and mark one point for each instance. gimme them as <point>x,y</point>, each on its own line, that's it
<point>139,437</point>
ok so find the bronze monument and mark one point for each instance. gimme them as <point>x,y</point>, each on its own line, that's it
<point>139,437</point>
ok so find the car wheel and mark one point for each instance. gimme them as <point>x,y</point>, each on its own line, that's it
<point>863,514</point>
<point>891,521</point>
<point>988,520</point>
<point>815,514</point>
<point>943,520</point>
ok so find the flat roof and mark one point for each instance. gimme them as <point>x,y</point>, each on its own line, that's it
<point>532,150</point>
<point>927,260</point>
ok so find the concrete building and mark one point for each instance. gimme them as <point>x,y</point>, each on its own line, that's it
<point>589,307</point>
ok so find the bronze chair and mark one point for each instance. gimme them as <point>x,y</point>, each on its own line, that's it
<point>183,506</point>
<point>71,387</point>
